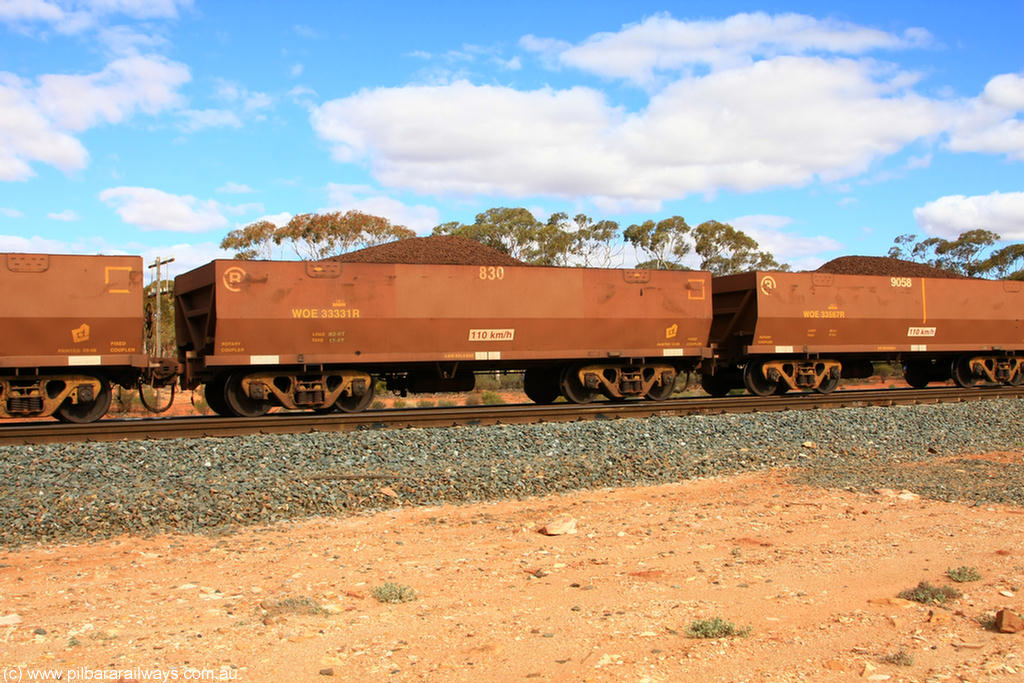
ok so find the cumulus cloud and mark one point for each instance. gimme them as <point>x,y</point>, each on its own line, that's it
<point>152,209</point>
<point>69,17</point>
<point>659,44</point>
<point>948,217</point>
<point>235,188</point>
<point>37,120</point>
<point>11,213</point>
<point>774,123</point>
<point>993,123</point>
<point>200,119</point>
<point>420,217</point>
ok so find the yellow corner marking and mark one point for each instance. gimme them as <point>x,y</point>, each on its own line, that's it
<point>106,278</point>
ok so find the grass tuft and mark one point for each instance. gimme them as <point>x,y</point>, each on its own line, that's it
<point>963,574</point>
<point>394,593</point>
<point>715,628</point>
<point>927,594</point>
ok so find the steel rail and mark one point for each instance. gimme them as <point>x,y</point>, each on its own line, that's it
<point>38,432</point>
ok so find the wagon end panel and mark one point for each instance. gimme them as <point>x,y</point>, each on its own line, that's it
<point>61,310</point>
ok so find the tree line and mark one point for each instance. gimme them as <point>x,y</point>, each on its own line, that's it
<point>580,240</point>
<point>561,240</point>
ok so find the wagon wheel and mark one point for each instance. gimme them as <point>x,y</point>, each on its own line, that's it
<point>756,382</point>
<point>717,385</point>
<point>661,392</point>
<point>573,390</point>
<point>240,404</point>
<point>781,388</point>
<point>541,385</point>
<point>961,371</point>
<point>213,391</point>
<point>1018,377</point>
<point>83,412</point>
<point>916,375</point>
<point>827,386</point>
<point>353,403</point>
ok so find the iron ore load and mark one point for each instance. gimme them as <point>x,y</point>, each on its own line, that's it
<point>317,335</point>
<point>71,326</point>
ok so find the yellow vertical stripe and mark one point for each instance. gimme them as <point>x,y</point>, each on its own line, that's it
<point>924,305</point>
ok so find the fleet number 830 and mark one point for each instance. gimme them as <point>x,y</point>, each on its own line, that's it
<point>492,273</point>
<point>900,282</point>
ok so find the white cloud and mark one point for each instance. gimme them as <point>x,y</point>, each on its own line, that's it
<point>800,251</point>
<point>235,188</point>
<point>75,17</point>
<point>948,217</point>
<point>200,119</point>
<point>66,215</point>
<point>152,209</point>
<point>250,100</point>
<point>662,44</point>
<point>420,217</point>
<point>993,123</point>
<point>775,123</point>
<point>11,213</point>
<point>35,245</point>
<point>148,84</point>
<point>27,136</point>
<point>296,70</point>
<point>36,121</point>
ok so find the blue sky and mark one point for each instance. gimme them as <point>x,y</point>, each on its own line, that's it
<point>157,126</point>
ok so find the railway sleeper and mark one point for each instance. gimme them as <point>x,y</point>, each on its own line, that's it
<point>305,391</point>
<point>619,382</point>
<point>44,396</point>
<point>816,375</point>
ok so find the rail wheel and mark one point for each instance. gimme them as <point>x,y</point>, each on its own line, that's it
<point>661,392</point>
<point>781,388</point>
<point>1018,377</point>
<point>86,411</point>
<point>355,404</point>
<point>573,390</point>
<point>916,375</point>
<point>756,382</point>
<point>961,371</point>
<point>717,385</point>
<point>541,385</point>
<point>827,386</point>
<point>214,393</point>
<point>238,402</point>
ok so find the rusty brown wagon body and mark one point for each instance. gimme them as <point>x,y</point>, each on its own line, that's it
<point>70,326</point>
<point>316,334</point>
<point>782,331</point>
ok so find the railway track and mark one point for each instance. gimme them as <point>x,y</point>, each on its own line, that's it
<point>290,423</point>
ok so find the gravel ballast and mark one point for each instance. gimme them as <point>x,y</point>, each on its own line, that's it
<point>57,492</point>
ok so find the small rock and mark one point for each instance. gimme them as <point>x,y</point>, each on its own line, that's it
<point>907,495</point>
<point>809,445</point>
<point>1008,622</point>
<point>40,631</point>
<point>10,619</point>
<point>327,672</point>
<point>562,524</point>
<point>939,617</point>
<point>390,493</point>
<point>1006,594</point>
<point>891,602</point>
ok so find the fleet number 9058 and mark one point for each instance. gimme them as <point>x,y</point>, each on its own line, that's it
<point>492,273</point>
<point>900,282</point>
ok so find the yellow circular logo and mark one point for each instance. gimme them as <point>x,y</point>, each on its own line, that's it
<point>233,277</point>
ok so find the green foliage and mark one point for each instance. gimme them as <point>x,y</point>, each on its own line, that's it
<point>715,628</point>
<point>314,236</point>
<point>928,594</point>
<point>560,241</point>
<point>447,403</point>
<point>491,398</point>
<point>472,399</point>
<point>722,248</point>
<point>394,593</point>
<point>666,241</point>
<point>377,405</point>
<point>399,403</point>
<point>963,574</point>
<point>425,403</point>
<point>971,254</point>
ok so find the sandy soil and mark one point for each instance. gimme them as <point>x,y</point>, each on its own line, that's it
<point>814,575</point>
